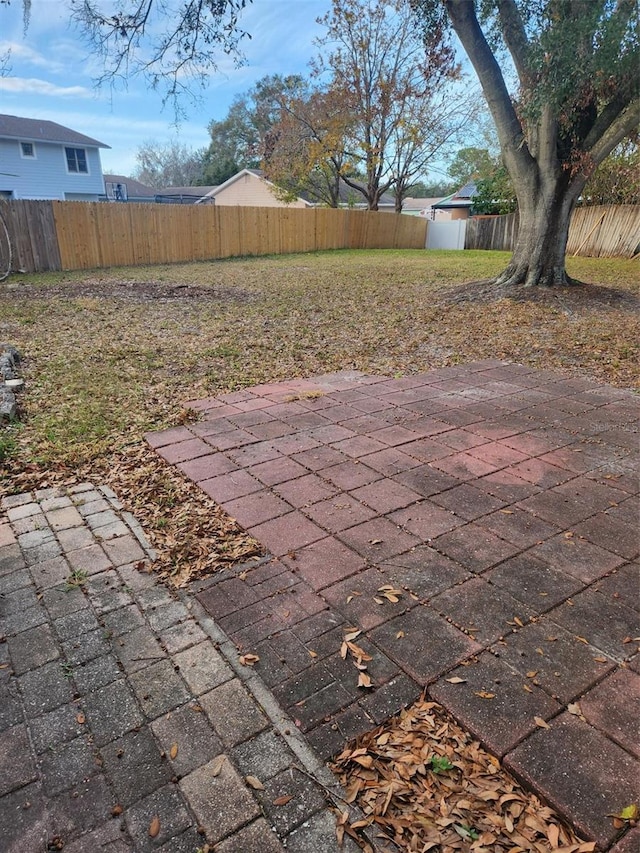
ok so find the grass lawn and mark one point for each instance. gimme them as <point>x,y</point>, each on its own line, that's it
<point>110,354</point>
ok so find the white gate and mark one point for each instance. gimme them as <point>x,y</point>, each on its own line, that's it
<point>446,235</point>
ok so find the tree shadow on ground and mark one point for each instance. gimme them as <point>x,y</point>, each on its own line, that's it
<point>579,296</point>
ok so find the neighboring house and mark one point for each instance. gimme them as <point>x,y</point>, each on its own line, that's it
<point>122,188</point>
<point>249,188</point>
<point>458,203</point>
<point>45,160</point>
<point>424,207</point>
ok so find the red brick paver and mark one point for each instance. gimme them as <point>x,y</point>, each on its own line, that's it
<point>477,521</point>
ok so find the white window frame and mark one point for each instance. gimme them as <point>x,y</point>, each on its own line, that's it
<point>33,155</point>
<point>75,148</point>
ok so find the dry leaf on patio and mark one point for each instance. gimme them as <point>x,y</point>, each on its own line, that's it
<point>542,723</point>
<point>351,636</point>
<point>391,594</point>
<point>456,680</point>
<point>254,783</point>
<point>283,800</point>
<point>154,827</point>
<point>173,752</point>
<point>364,680</point>
<point>249,659</point>
<point>217,764</point>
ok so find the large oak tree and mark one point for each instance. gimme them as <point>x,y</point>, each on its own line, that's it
<point>577,97</point>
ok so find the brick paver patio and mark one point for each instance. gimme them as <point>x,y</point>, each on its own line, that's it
<point>127,722</point>
<point>501,501</point>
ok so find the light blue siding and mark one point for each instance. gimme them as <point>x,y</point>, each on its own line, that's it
<point>46,175</point>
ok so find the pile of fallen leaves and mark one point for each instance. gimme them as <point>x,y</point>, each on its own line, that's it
<point>423,783</point>
<point>191,535</point>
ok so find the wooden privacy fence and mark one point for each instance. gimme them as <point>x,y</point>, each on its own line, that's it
<point>63,235</point>
<point>604,231</point>
<point>492,232</point>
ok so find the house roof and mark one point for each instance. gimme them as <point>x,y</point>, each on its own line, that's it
<point>257,173</point>
<point>417,203</point>
<point>37,130</point>
<point>134,188</point>
<point>461,198</point>
<point>196,192</point>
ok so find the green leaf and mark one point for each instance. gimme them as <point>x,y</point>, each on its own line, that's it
<point>440,763</point>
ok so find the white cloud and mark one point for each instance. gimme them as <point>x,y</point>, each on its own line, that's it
<point>27,55</point>
<point>34,86</point>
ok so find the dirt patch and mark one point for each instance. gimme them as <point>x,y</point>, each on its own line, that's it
<point>131,291</point>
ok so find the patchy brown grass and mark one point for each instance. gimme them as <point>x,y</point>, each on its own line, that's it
<point>112,354</point>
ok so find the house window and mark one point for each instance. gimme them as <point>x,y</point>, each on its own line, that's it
<point>27,149</point>
<point>76,160</point>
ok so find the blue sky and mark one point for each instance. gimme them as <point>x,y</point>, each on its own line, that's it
<point>51,76</point>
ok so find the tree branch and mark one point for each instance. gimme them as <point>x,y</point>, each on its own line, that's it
<point>512,140</point>
<point>515,38</point>
<point>626,122</point>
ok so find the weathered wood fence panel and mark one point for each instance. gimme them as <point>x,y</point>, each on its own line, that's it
<point>32,233</point>
<point>605,231</point>
<point>492,232</point>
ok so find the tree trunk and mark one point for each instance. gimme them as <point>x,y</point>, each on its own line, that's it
<point>539,255</point>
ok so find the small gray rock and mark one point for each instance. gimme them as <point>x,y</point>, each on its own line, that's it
<point>7,404</point>
<point>12,352</point>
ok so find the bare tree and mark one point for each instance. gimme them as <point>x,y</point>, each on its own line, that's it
<point>576,63</point>
<point>169,165</point>
<point>373,52</point>
<point>427,127</point>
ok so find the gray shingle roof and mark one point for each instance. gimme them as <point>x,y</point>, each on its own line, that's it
<point>33,129</point>
<point>197,192</point>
